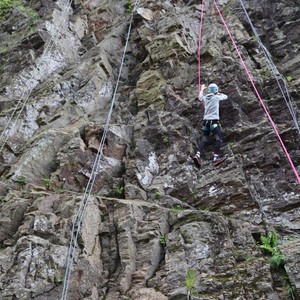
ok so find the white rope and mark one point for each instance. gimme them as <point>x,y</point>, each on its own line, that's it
<point>77,220</point>
<point>284,90</point>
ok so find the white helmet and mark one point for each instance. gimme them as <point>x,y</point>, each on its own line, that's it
<point>213,88</point>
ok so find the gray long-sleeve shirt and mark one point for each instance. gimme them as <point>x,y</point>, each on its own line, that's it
<point>211,104</point>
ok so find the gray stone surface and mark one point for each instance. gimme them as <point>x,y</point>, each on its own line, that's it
<point>154,226</point>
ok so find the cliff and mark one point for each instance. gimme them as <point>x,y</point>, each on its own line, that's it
<point>116,179</point>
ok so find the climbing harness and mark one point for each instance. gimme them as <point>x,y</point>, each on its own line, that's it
<point>210,125</point>
<point>284,90</point>
<point>77,220</point>
<point>257,93</point>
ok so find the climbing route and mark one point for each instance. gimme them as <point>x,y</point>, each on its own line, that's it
<point>252,83</point>
<point>281,81</point>
<point>96,169</point>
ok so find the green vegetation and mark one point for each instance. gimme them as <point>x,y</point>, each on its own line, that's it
<point>128,6</point>
<point>190,281</point>
<point>289,78</point>
<point>20,6</point>
<point>27,10</point>
<point>26,194</point>
<point>60,190</point>
<point>119,191</point>
<point>269,243</point>
<point>58,279</point>
<point>265,74</point>
<point>46,182</point>
<point>177,208</point>
<point>163,240</point>
<point>157,194</point>
<point>165,140</point>
<point>5,4</point>
<point>22,180</point>
<point>290,290</point>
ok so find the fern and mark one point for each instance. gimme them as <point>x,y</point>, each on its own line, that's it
<point>269,243</point>
<point>277,260</point>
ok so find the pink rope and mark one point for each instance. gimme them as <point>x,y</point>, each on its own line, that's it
<point>257,93</point>
<point>199,45</point>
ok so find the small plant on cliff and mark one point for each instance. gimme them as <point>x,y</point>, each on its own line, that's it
<point>177,208</point>
<point>22,180</point>
<point>26,194</point>
<point>290,290</point>
<point>163,240</point>
<point>265,74</point>
<point>165,140</point>
<point>119,191</point>
<point>46,182</point>
<point>5,7</point>
<point>289,78</point>
<point>60,190</point>
<point>5,4</point>
<point>269,243</point>
<point>58,279</point>
<point>190,281</point>
<point>128,6</point>
<point>21,7</point>
<point>157,194</point>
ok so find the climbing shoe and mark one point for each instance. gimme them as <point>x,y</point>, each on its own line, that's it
<point>197,159</point>
<point>217,160</point>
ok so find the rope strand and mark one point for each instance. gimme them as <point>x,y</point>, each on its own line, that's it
<point>257,93</point>
<point>77,220</point>
<point>199,45</point>
<point>284,90</point>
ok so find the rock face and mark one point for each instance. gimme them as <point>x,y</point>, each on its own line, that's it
<point>153,225</point>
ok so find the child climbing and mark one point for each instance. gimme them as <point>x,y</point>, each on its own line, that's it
<point>211,123</point>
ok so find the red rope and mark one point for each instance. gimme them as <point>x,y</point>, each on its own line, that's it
<point>257,93</point>
<point>199,45</point>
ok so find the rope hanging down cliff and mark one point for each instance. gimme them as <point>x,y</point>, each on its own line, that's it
<point>199,45</point>
<point>252,83</point>
<point>77,220</point>
<point>283,89</point>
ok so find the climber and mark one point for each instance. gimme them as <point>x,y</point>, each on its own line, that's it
<point>211,123</point>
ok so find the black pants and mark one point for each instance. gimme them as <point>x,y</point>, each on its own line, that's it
<point>214,127</point>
